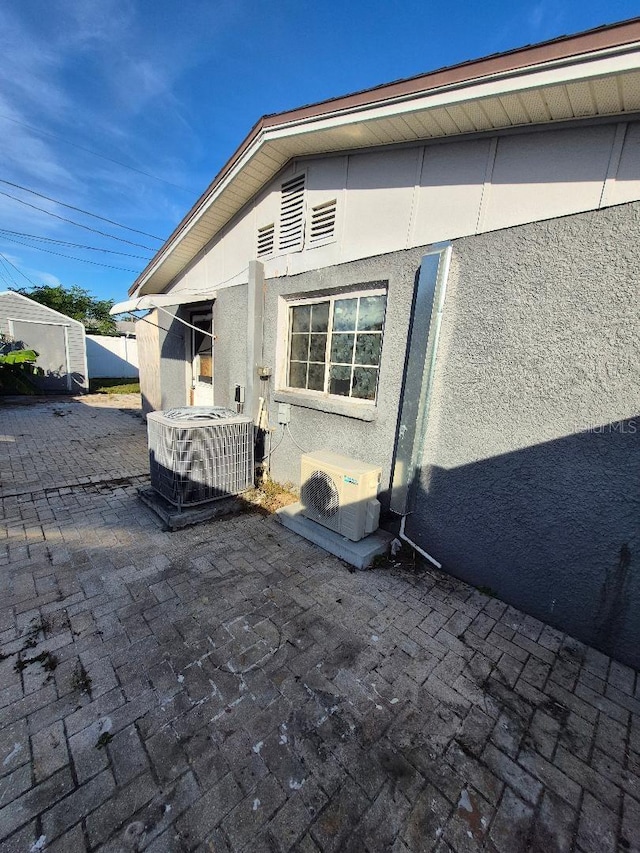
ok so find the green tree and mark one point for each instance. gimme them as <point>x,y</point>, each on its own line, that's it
<point>77,303</point>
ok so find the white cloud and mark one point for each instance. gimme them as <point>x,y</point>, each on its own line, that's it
<point>45,277</point>
<point>544,16</point>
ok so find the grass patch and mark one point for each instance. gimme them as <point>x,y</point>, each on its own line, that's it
<point>100,385</point>
<point>269,496</point>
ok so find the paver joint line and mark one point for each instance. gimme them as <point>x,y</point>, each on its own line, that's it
<point>232,687</point>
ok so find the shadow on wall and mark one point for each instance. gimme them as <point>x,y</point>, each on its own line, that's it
<point>553,529</point>
<point>45,377</point>
<point>59,382</point>
<point>162,374</point>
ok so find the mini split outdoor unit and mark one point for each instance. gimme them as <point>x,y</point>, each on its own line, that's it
<point>340,493</point>
<point>199,454</point>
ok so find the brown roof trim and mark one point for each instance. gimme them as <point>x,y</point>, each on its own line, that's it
<point>563,47</point>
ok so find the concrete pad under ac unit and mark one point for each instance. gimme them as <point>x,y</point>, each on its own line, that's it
<point>359,554</point>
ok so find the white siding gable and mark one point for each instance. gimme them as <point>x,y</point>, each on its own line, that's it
<point>396,198</point>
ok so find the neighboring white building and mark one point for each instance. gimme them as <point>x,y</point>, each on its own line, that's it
<point>58,340</point>
<point>440,276</point>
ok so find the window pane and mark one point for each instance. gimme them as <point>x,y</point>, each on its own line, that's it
<point>316,377</point>
<point>318,348</point>
<point>299,347</point>
<point>320,317</point>
<point>368,349</point>
<point>301,316</point>
<point>371,316</point>
<point>344,315</point>
<point>297,375</point>
<point>364,383</point>
<point>342,348</point>
<point>339,380</point>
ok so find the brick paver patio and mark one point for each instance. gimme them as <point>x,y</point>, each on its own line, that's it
<point>232,687</point>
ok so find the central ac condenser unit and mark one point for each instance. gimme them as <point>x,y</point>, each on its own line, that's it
<point>199,454</point>
<point>340,493</point>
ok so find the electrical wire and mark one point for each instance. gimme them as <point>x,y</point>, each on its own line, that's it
<point>95,154</point>
<point>6,260</point>
<point>77,224</point>
<point>293,439</point>
<point>6,274</point>
<point>273,449</point>
<point>70,257</point>
<point>73,245</point>
<point>80,210</point>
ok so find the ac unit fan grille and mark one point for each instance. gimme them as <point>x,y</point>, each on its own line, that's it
<point>195,464</point>
<point>319,493</point>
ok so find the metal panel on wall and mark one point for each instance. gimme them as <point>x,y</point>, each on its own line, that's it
<point>450,192</point>
<point>380,189</point>
<point>543,175</point>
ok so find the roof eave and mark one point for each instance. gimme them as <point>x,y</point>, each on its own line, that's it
<point>578,48</point>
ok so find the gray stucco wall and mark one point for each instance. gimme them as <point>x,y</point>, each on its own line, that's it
<point>14,306</point>
<point>371,441</point>
<point>530,482</point>
<point>230,345</point>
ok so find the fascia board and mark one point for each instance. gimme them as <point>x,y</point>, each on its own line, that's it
<point>465,92</point>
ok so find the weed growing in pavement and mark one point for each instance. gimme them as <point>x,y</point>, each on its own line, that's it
<point>48,661</point>
<point>81,680</point>
<point>42,625</point>
<point>104,739</point>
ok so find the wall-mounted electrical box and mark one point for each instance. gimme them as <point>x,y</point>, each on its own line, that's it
<point>284,413</point>
<point>239,394</point>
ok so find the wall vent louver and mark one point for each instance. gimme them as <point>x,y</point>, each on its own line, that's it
<point>292,213</point>
<point>323,222</point>
<point>266,240</point>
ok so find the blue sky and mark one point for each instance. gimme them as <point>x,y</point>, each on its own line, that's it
<point>171,88</point>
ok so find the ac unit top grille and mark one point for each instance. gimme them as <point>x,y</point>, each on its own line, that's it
<point>196,416</point>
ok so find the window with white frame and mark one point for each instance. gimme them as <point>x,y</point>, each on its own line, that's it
<point>335,344</point>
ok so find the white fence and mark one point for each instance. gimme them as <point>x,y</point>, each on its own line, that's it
<point>115,358</point>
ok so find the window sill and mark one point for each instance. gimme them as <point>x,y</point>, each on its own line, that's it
<point>345,408</point>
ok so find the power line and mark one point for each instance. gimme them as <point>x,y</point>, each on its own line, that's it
<point>71,257</point>
<point>77,224</point>
<point>7,275</point>
<point>95,154</point>
<point>6,260</point>
<point>80,210</point>
<point>73,245</point>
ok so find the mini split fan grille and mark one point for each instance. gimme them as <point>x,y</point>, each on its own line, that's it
<point>340,493</point>
<point>320,494</point>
